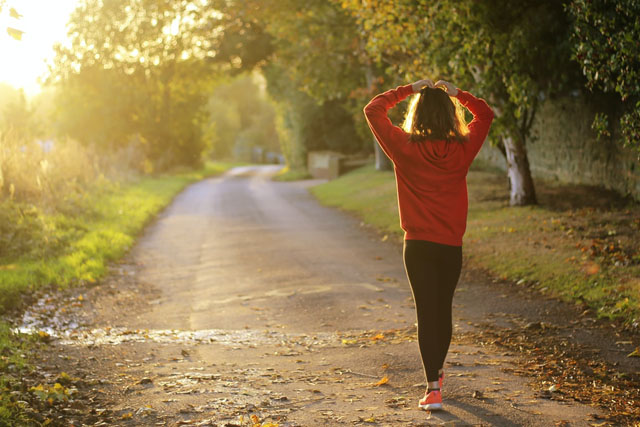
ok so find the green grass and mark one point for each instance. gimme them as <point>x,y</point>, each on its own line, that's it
<point>75,246</point>
<point>577,245</point>
<point>69,247</point>
<point>287,174</point>
<point>14,362</point>
<point>369,194</point>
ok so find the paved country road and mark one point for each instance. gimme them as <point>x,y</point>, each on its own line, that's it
<point>245,297</point>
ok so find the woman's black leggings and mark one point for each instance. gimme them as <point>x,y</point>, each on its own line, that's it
<point>433,270</point>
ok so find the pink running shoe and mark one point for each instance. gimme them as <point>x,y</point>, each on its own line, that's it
<point>431,401</point>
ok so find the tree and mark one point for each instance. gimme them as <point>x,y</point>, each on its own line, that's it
<point>307,124</point>
<point>96,107</point>
<point>241,115</point>
<point>312,66</point>
<point>17,118</point>
<point>512,54</point>
<point>605,44</point>
<point>137,70</point>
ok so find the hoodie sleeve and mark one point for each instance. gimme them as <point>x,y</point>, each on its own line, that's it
<point>479,126</point>
<point>387,135</point>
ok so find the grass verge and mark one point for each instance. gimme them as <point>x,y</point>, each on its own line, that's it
<point>580,244</point>
<point>69,247</point>
<point>287,174</point>
<point>74,244</point>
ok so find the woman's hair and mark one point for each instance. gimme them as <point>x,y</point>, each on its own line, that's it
<point>434,115</point>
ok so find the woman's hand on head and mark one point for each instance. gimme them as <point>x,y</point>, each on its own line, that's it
<point>448,87</point>
<point>417,86</point>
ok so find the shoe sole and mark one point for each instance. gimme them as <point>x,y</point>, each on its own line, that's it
<point>430,406</point>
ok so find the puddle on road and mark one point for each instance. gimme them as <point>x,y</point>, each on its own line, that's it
<point>245,337</point>
<point>58,317</point>
<point>54,316</point>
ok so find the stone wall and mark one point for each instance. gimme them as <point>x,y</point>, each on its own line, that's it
<point>565,149</point>
<point>331,164</point>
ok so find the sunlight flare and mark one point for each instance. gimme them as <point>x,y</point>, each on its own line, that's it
<point>40,24</point>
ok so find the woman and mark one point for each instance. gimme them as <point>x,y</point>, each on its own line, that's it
<point>431,158</point>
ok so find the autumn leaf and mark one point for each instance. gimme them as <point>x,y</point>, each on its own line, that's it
<point>634,353</point>
<point>592,268</point>
<point>44,336</point>
<point>384,380</point>
<point>377,337</point>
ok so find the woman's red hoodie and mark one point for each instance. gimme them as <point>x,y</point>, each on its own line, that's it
<point>431,176</point>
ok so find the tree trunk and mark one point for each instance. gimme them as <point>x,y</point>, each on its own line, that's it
<point>382,161</point>
<point>522,192</point>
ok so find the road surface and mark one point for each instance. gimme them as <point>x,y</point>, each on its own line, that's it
<point>245,297</point>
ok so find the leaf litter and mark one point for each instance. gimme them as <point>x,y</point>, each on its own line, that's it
<point>561,371</point>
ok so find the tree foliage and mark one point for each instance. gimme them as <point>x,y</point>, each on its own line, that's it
<point>308,54</point>
<point>241,117</point>
<point>514,54</point>
<point>606,35</point>
<point>306,124</point>
<point>136,70</point>
<point>18,118</point>
<point>506,52</point>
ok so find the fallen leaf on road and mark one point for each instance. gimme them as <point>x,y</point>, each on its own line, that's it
<point>384,380</point>
<point>634,353</point>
